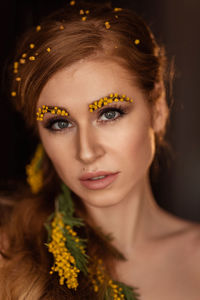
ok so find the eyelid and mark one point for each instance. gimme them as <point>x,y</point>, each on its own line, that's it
<point>106,109</point>
<point>122,110</point>
<point>113,107</point>
<point>52,120</point>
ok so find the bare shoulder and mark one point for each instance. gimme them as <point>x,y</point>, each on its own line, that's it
<point>192,237</point>
<point>187,243</point>
<point>191,253</point>
<point>190,233</point>
<point>187,232</point>
<point>182,236</point>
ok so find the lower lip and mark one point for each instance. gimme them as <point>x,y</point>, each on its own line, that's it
<point>99,183</point>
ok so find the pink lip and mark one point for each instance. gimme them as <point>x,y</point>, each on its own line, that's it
<point>99,183</point>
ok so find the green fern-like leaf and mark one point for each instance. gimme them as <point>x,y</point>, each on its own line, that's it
<point>74,248</point>
<point>65,206</point>
<point>107,295</point>
<point>72,221</point>
<point>128,291</point>
<point>65,201</point>
<point>48,228</point>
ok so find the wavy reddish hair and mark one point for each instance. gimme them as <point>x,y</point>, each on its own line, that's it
<point>25,270</point>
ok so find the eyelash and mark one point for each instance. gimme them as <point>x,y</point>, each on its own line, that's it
<point>118,108</point>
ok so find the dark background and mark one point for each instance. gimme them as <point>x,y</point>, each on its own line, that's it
<point>176,23</point>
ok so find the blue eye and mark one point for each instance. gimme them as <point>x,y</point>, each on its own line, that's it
<point>58,124</point>
<point>110,115</point>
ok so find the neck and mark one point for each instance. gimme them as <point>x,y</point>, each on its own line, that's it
<point>132,222</point>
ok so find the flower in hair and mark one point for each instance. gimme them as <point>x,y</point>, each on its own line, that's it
<point>32,58</point>
<point>72,3</point>
<point>67,248</point>
<point>38,28</point>
<point>64,262</point>
<point>34,172</point>
<point>137,41</point>
<point>84,14</point>
<point>22,61</point>
<point>116,9</point>
<point>107,25</point>
<point>32,46</point>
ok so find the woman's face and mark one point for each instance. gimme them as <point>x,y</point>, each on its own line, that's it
<point>115,141</point>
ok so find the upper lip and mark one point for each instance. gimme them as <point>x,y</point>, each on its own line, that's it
<point>89,175</point>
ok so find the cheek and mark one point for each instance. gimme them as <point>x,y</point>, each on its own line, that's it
<point>142,148</point>
<point>59,152</point>
<point>136,147</point>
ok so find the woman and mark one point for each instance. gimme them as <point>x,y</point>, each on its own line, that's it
<point>90,81</point>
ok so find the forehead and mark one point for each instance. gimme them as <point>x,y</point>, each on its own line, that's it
<point>85,82</point>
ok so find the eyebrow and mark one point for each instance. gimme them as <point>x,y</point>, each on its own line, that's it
<point>93,106</point>
<point>106,100</point>
<point>50,109</point>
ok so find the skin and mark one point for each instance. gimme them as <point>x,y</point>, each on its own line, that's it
<point>92,144</point>
<point>155,243</point>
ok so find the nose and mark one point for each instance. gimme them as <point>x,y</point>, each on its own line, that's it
<point>89,147</point>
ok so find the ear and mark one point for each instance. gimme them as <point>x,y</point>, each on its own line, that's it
<point>160,114</point>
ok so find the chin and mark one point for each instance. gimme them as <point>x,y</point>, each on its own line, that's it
<point>101,203</point>
<point>100,198</point>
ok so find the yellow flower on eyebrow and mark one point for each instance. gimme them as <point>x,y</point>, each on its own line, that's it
<point>53,110</point>
<point>107,100</point>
